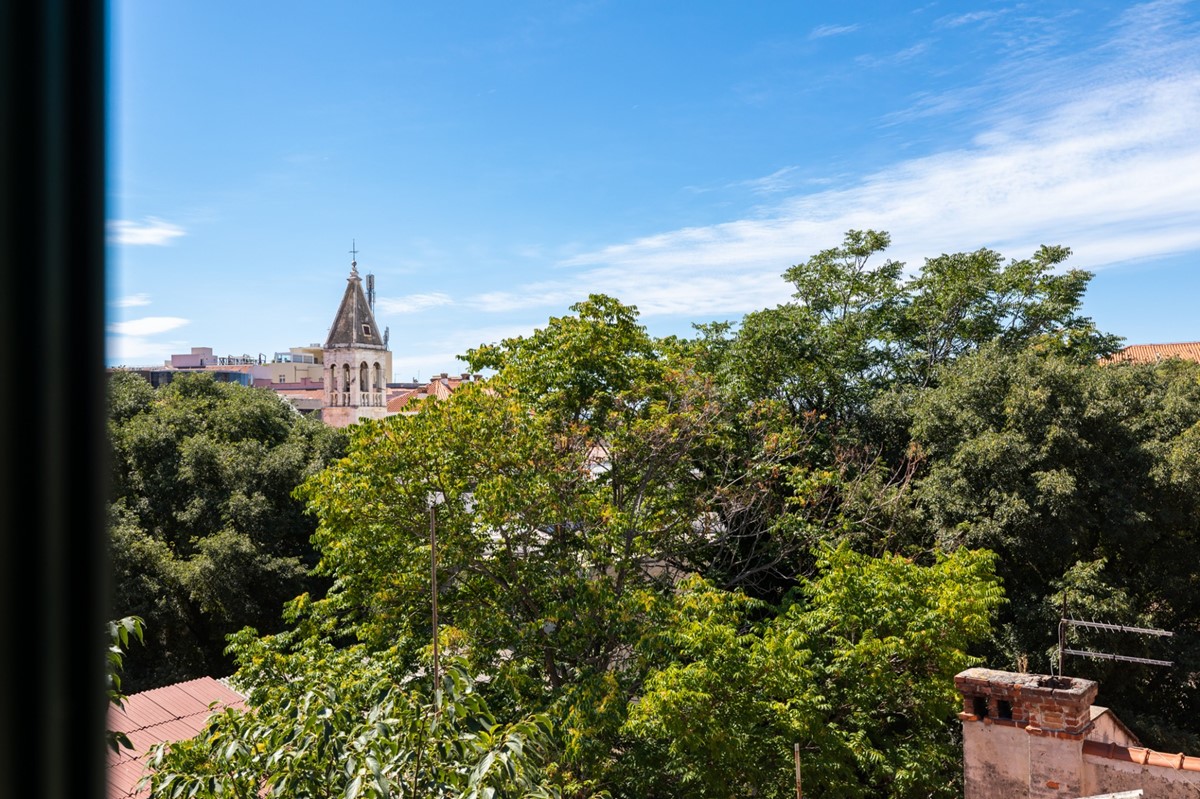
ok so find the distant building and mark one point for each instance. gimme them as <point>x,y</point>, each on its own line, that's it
<point>1035,736</point>
<point>357,362</point>
<point>1155,353</point>
<point>295,376</point>
<point>345,380</point>
<point>406,398</point>
<point>159,376</point>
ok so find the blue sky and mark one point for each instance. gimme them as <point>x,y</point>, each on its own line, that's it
<point>494,163</point>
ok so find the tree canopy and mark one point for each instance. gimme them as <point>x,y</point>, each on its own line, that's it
<point>662,563</point>
<point>205,536</point>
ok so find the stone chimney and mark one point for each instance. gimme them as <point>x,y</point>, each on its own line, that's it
<point>1023,733</point>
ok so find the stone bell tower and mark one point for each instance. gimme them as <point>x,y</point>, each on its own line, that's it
<point>358,363</point>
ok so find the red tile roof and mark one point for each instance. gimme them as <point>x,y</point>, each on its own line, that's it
<point>172,713</point>
<point>1153,353</point>
<point>1141,756</point>
<point>398,401</point>
<point>441,387</point>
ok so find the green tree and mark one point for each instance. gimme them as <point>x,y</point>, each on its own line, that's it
<point>576,367</point>
<point>348,724</point>
<point>121,632</point>
<point>1080,477</point>
<point>828,349</point>
<point>570,495</point>
<point>205,535</point>
<point>856,327</point>
<point>847,358</point>
<point>963,301</point>
<point>858,670</point>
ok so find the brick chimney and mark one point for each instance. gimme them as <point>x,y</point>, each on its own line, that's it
<point>1023,733</point>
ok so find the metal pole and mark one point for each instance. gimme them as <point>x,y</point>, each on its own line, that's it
<point>437,682</point>
<point>1062,635</point>
<point>798,793</point>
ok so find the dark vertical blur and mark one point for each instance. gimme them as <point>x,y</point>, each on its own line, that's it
<point>52,489</point>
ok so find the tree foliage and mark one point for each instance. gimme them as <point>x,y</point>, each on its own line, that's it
<point>1075,475</point>
<point>205,535</point>
<point>857,327</point>
<point>858,670</point>
<point>661,564</point>
<point>569,496</point>
<point>563,509</point>
<point>121,632</point>
<point>350,725</point>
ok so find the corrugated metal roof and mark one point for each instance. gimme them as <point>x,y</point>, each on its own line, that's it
<point>172,713</point>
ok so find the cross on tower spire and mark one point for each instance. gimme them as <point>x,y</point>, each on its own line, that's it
<point>354,257</point>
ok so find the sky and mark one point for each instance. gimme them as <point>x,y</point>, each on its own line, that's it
<point>492,164</point>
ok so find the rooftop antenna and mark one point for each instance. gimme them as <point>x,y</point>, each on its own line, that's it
<point>371,292</point>
<point>1065,622</point>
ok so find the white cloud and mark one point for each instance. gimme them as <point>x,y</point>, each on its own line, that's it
<point>139,351</point>
<point>135,342</point>
<point>147,326</point>
<point>414,303</point>
<point>779,180</point>
<point>1102,159</point>
<point>824,31</point>
<point>968,18</point>
<point>428,356</point>
<point>533,295</point>
<point>132,301</point>
<point>150,231</point>
<point>898,57</point>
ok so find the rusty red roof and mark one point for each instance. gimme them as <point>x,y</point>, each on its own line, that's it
<point>172,713</point>
<point>1153,353</point>
<point>397,401</point>
<point>404,400</point>
<point>1141,755</point>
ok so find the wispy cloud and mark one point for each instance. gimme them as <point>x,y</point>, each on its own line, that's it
<point>139,351</point>
<point>132,301</point>
<point>957,20</point>
<point>1100,156</point>
<point>136,341</point>
<point>151,231</point>
<point>533,295</point>
<point>825,31</point>
<point>898,57</point>
<point>439,352</point>
<point>778,181</point>
<point>147,326</point>
<point>414,303</point>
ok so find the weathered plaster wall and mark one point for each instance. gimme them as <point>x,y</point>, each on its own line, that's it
<point>1055,767</point>
<point>1036,736</point>
<point>995,760</point>
<point>1107,728</point>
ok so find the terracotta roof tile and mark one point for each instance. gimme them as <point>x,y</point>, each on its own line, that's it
<point>1153,353</point>
<point>398,402</point>
<point>1141,756</point>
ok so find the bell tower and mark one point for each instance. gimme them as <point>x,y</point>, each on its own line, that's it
<point>358,363</point>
